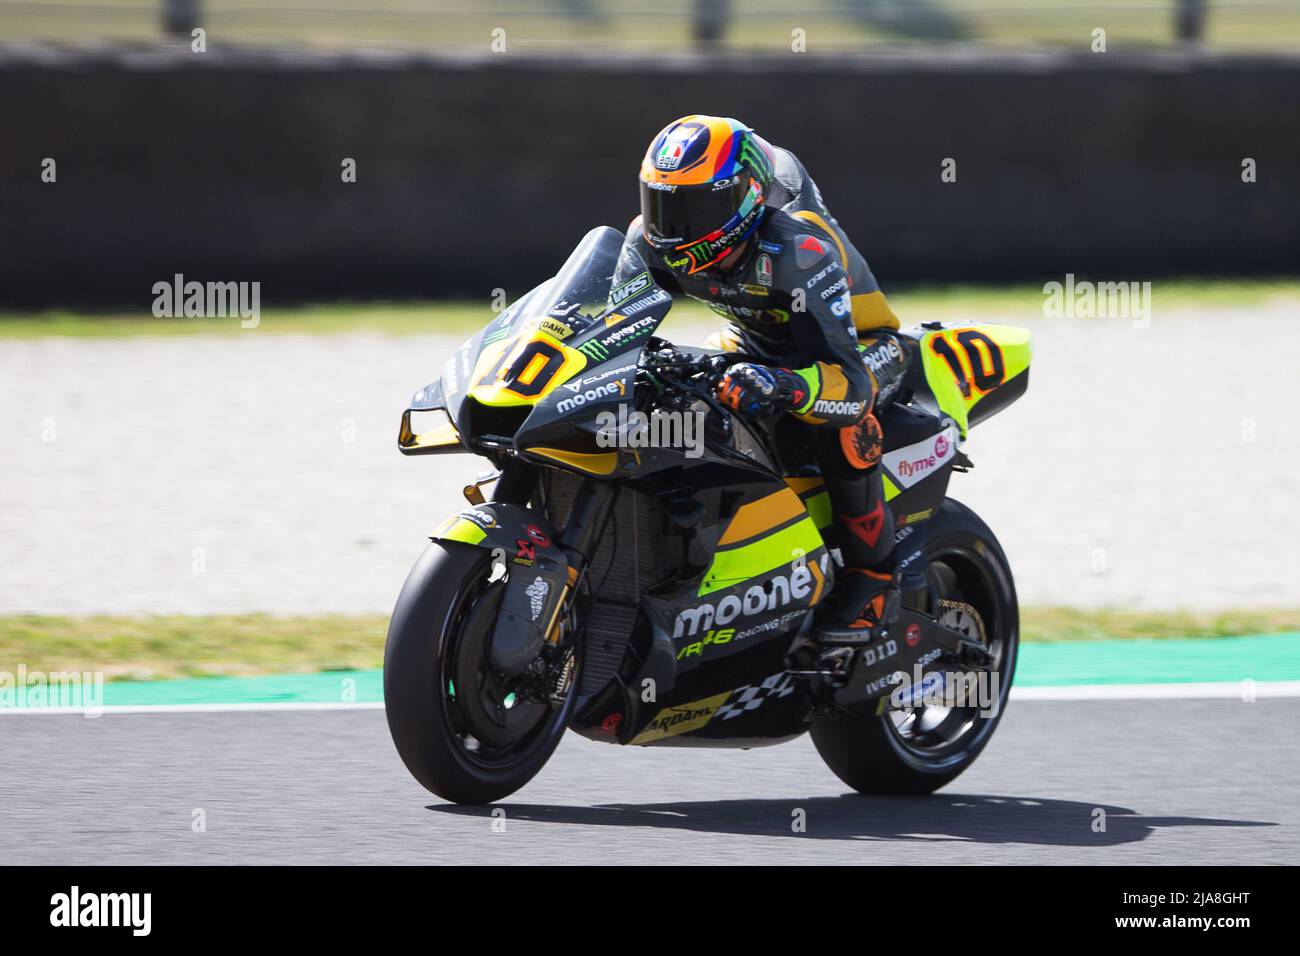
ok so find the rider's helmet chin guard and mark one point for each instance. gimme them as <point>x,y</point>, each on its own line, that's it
<point>704,183</point>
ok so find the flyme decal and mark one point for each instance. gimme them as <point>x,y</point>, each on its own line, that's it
<point>916,462</point>
<point>796,586</point>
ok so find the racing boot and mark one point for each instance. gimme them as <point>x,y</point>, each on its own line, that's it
<point>862,608</point>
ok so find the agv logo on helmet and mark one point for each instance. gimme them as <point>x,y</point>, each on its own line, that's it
<point>703,188</point>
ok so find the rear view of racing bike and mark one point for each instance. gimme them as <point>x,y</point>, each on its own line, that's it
<point>660,593</point>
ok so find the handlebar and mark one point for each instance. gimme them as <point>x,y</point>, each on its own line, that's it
<point>667,364</point>
<point>684,376</point>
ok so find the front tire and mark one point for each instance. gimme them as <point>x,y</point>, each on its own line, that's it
<point>448,740</point>
<point>894,753</point>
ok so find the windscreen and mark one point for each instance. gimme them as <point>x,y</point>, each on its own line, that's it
<point>579,292</point>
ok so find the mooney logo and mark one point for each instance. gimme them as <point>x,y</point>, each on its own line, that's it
<point>797,586</point>
<point>885,353</point>
<point>828,407</point>
<point>613,389</point>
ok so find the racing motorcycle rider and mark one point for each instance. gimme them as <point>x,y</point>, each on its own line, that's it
<point>734,221</point>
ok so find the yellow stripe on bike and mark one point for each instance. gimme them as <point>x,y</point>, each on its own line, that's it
<point>780,549</point>
<point>762,515</point>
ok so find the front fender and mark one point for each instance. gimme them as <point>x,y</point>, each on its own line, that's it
<point>537,575</point>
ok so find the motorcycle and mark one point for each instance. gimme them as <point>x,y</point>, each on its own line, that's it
<point>661,592</point>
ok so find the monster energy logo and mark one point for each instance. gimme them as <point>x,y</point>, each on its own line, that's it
<point>495,335</point>
<point>751,155</point>
<point>594,350</point>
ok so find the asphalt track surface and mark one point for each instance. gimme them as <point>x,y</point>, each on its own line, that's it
<point>1179,781</point>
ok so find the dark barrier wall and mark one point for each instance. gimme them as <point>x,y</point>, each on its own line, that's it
<point>481,172</point>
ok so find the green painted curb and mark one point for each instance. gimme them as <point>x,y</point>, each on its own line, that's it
<point>1262,657</point>
<point>332,687</point>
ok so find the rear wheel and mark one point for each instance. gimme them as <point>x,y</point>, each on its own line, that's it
<point>466,733</point>
<point>916,750</point>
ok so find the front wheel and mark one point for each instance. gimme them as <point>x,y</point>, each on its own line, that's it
<point>467,734</point>
<point>916,750</point>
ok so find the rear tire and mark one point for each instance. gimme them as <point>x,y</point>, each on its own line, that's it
<point>871,753</point>
<point>433,613</point>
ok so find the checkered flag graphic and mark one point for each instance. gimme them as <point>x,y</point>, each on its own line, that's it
<point>751,696</point>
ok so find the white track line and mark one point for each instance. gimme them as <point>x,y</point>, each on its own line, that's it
<point>1223,690</point>
<point>190,708</point>
<point>1237,689</point>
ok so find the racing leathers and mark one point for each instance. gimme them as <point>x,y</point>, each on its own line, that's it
<point>805,308</point>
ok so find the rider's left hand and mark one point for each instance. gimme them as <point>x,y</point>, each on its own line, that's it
<point>748,388</point>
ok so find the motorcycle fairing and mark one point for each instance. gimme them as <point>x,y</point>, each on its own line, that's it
<point>957,376</point>
<point>569,325</point>
<point>728,625</point>
<point>772,532</point>
<point>565,422</point>
<point>969,372</point>
<point>811,490</point>
<point>536,579</point>
<point>442,438</point>
<point>919,454</point>
<point>525,367</point>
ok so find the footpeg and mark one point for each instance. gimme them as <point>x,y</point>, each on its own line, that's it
<point>974,655</point>
<point>836,661</point>
<point>844,636</point>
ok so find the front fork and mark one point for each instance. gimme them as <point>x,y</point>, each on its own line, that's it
<point>580,537</point>
<point>585,525</point>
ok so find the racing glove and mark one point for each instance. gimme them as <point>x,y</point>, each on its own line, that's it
<point>748,388</point>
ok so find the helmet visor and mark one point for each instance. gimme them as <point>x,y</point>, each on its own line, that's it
<point>688,214</point>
